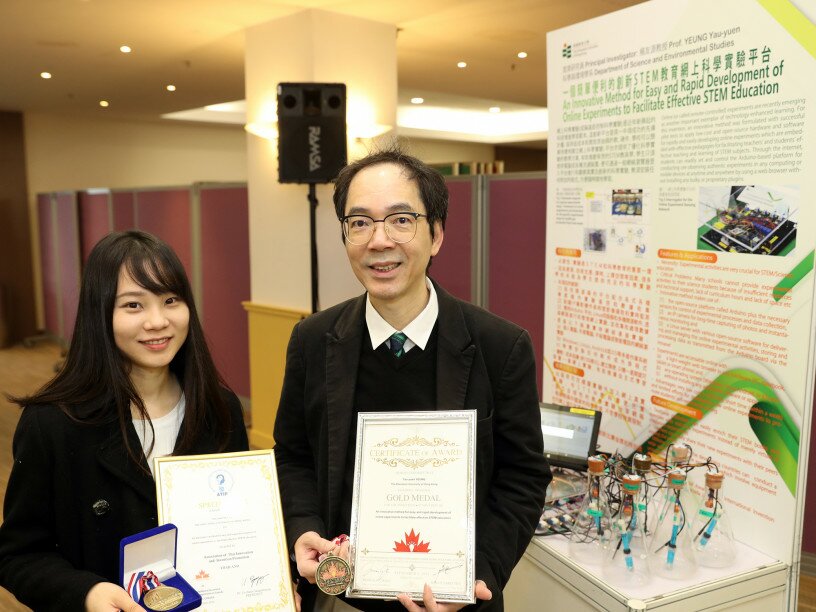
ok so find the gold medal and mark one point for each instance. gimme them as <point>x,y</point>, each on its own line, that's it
<point>163,598</point>
<point>333,575</point>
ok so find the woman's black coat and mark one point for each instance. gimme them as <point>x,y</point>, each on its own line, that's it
<point>73,494</point>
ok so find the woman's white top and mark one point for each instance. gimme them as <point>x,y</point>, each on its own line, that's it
<point>165,429</point>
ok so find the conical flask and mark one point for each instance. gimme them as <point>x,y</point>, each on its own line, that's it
<point>713,539</point>
<point>648,499</point>
<point>590,528</point>
<point>626,560</point>
<point>676,455</point>
<point>671,552</point>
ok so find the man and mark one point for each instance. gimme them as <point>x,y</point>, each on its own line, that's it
<point>450,355</point>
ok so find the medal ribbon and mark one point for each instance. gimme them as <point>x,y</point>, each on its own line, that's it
<point>338,541</point>
<point>149,581</point>
<point>140,583</point>
<point>134,588</point>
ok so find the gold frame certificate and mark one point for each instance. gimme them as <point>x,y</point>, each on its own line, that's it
<point>231,545</point>
<point>412,516</point>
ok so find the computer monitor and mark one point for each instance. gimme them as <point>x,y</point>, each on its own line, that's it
<point>570,435</point>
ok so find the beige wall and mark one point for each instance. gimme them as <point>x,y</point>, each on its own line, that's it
<point>441,151</point>
<point>68,152</point>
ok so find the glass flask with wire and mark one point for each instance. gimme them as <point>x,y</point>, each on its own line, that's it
<point>626,559</point>
<point>713,539</point>
<point>677,455</point>
<point>671,552</point>
<point>648,499</point>
<point>590,526</point>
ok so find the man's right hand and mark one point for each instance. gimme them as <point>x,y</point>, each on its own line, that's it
<point>109,597</point>
<point>308,549</point>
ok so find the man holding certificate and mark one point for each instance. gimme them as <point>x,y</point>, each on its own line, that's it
<point>405,346</point>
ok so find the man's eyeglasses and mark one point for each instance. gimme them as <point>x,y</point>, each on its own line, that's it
<point>400,227</point>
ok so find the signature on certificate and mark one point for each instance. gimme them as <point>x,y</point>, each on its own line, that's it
<point>375,572</point>
<point>446,568</point>
<point>254,581</point>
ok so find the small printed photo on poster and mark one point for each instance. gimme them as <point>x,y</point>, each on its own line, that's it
<point>594,201</point>
<point>628,241</point>
<point>752,219</point>
<point>595,240</point>
<point>627,202</point>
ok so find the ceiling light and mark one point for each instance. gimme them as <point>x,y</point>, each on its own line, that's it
<point>522,54</point>
<point>462,65</point>
<point>45,75</point>
<point>417,100</point>
<point>104,103</point>
<point>125,49</point>
<point>494,109</point>
<point>171,88</point>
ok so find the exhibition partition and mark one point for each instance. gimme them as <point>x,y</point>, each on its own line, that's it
<point>494,243</point>
<point>207,226</point>
<point>516,230</point>
<point>454,266</point>
<point>60,261</point>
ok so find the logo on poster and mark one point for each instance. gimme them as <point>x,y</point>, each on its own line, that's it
<point>575,49</point>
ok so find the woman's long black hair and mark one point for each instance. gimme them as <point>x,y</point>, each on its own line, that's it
<point>95,371</point>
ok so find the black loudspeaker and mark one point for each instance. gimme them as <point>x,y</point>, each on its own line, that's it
<point>311,132</point>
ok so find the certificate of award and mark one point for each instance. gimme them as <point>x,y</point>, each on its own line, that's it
<point>412,516</point>
<point>231,546</point>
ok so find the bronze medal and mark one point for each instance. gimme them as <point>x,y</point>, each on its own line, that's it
<point>163,598</point>
<point>333,575</point>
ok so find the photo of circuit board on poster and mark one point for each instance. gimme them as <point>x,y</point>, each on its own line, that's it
<point>752,219</point>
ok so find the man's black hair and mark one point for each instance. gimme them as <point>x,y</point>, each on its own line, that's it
<point>432,188</point>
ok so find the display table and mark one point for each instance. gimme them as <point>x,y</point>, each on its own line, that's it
<point>547,579</point>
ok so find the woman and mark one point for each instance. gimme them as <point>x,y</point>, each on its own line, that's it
<point>138,382</point>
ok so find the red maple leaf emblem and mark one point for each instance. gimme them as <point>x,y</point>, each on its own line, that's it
<point>202,575</point>
<point>411,543</point>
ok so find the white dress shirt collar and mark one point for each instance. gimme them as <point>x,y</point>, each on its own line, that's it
<point>418,331</point>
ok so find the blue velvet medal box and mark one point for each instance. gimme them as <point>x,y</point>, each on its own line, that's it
<point>155,550</point>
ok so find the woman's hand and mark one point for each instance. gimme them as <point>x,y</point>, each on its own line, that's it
<point>109,597</point>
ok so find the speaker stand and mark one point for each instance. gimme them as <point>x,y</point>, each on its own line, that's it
<point>313,242</point>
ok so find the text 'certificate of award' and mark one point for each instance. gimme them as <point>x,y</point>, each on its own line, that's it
<point>412,517</point>
<point>231,545</point>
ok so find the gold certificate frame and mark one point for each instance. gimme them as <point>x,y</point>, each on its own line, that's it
<point>231,543</point>
<point>412,517</point>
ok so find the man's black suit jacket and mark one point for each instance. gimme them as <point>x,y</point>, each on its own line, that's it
<point>484,363</point>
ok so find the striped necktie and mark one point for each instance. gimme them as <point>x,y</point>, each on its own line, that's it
<point>396,342</point>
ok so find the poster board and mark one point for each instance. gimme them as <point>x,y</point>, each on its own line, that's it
<point>681,230</point>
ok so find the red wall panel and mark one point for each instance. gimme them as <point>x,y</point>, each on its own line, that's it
<point>517,224</point>
<point>166,213</point>
<point>68,259</point>
<point>94,220</point>
<point>124,213</point>
<point>451,268</point>
<point>48,249</point>
<point>225,281</point>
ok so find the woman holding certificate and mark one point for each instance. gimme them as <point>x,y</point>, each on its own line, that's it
<point>138,383</point>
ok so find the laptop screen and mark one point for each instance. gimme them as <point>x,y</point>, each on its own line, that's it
<point>570,434</point>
